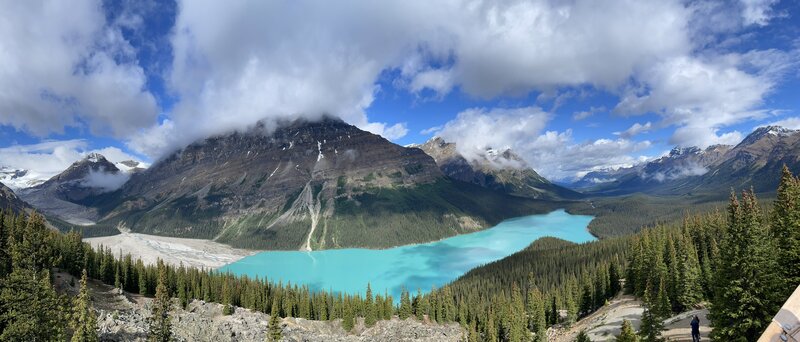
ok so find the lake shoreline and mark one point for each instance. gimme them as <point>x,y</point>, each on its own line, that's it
<point>413,266</point>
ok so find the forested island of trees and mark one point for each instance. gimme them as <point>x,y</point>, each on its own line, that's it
<point>735,261</point>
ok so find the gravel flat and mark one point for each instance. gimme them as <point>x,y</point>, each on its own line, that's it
<point>190,252</point>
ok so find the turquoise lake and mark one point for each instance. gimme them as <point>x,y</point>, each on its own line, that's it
<point>413,266</point>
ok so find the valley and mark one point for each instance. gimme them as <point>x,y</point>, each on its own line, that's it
<point>359,171</point>
<point>267,222</point>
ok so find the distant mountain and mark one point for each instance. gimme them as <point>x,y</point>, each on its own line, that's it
<point>662,174</point>
<point>90,176</point>
<point>20,178</point>
<point>497,170</point>
<point>63,194</point>
<point>307,185</point>
<point>10,201</point>
<point>756,161</point>
<point>597,179</point>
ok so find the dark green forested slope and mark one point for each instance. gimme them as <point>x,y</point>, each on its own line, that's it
<point>728,260</point>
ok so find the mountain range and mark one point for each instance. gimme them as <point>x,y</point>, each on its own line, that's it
<point>306,185</point>
<point>327,184</point>
<point>755,162</point>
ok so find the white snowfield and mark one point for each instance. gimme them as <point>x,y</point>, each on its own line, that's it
<point>190,252</point>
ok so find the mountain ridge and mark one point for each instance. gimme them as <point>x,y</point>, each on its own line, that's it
<point>306,185</point>
<point>752,162</point>
<point>503,171</point>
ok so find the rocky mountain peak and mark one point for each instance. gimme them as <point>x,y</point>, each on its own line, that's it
<point>495,169</point>
<point>767,132</point>
<point>79,170</point>
<point>682,151</point>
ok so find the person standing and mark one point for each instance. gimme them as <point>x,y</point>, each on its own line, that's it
<point>695,329</point>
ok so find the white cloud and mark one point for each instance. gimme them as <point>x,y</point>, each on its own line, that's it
<point>757,12</point>
<point>431,130</point>
<point>577,116</point>
<point>790,123</point>
<point>238,63</point>
<point>701,95</point>
<point>557,156</point>
<point>478,129</point>
<point>635,130</point>
<point>392,132</point>
<point>106,181</point>
<point>63,66</point>
<point>554,155</point>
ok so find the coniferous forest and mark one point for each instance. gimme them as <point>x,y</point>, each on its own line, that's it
<point>734,260</point>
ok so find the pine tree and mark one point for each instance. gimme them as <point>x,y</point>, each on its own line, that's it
<point>490,329</point>
<point>747,281</point>
<point>517,321</point>
<point>183,294</point>
<point>274,331</point>
<point>348,318</point>
<point>30,309</point>
<point>652,321</point>
<point>388,306</point>
<point>5,258</point>
<point>160,322</point>
<point>142,275</point>
<point>786,229</point>
<point>117,278</point>
<point>32,248</point>
<point>417,305</point>
<point>582,337</point>
<point>537,322</point>
<point>554,316</point>
<point>84,321</point>
<point>405,304</point>
<point>626,333</point>
<point>689,287</point>
<point>371,316</point>
<point>614,282</point>
<point>473,332</point>
<point>227,298</point>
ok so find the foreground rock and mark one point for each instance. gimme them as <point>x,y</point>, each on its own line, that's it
<point>123,317</point>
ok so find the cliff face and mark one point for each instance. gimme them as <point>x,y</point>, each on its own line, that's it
<point>497,170</point>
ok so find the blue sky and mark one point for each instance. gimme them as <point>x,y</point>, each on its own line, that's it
<point>572,86</point>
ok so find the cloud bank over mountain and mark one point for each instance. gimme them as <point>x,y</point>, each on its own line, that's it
<point>231,64</point>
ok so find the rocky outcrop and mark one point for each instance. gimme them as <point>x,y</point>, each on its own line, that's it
<point>204,322</point>
<point>123,317</point>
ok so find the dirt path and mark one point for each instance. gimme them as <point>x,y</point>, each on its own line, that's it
<point>604,324</point>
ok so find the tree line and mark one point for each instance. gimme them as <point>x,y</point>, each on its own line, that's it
<point>743,262</point>
<point>735,261</point>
